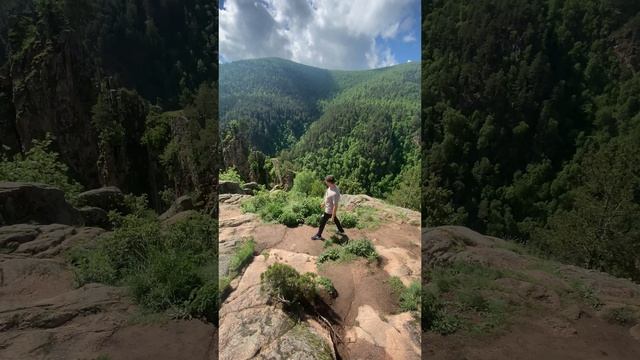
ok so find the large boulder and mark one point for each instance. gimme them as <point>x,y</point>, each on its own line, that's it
<point>250,188</point>
<point>94,216</point>
<point>183,203</point>
<point>34,203</point>
<point>229,187</point>
<point>106,198</point>
<point>251,325</point>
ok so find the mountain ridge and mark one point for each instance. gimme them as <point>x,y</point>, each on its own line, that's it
<point>361,125</point>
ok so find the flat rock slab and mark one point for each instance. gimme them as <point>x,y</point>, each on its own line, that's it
<point>176,339</point>
<point>44,240</point>
<point>250,327</point>
<point>395,334</point>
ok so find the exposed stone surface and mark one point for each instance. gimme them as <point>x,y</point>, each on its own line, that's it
<point>107,198</point>
<point>94,216</point>
<point>44,316</point>
<point>34,203</point>
<point>183,203</point>
<point>565,307</point>
<point>229,187</point>
<point>44,240</point>
<point>250,188</point>
<point>252,328</point>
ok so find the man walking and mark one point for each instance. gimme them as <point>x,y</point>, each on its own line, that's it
<point>330,204</point>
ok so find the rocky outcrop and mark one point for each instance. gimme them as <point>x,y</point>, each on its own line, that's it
<point>106,198</point>
<point>364,313</point>
<point>229,187</point>
<point>43,315</point>
<point>52,92</point>
<point>250,188</point>
<point>251,328</point>
<point>9,140</point>
<point>183,203</point>
<point>574,311</point>
<point>94,216</point>
<point>34,203</point>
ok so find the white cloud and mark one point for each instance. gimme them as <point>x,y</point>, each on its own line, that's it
<point>409,38</point>
<point>326,33</point>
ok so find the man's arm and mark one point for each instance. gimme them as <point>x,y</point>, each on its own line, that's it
<point>333,213</point>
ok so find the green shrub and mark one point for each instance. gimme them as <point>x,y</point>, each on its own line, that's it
<point>473,300</point>
<point>290,209</point>
<point>41,165</point>
<point>166,281</point>
<point>363,248</point>
<point>271,212</point>
<point>326,284</point>
<point>308,183</point>
<point>205,300</point>
<point>166,268</point>
<point>621,316</point>
<point>331,254</point>
<point>231,174</point>
<point>348,220</point>
<point>284,284</point>
<point>411,297</point>
<point>92,265</point>
<point>435,316</point>
<point>397,287</point>
<point>313,220</point>
<point>311,206</point>
<point>289,218</point>
<point>356,248</point>
<point>242,256</point>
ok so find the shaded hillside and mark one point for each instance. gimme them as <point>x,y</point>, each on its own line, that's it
<point>88,72</point>
<point>360,125</point>
<point>531,125</point>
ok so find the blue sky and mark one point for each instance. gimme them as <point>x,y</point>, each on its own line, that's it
<point>333,34</point>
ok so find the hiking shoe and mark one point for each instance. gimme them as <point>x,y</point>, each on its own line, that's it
<point>316,237</point>
<point>341,233</point>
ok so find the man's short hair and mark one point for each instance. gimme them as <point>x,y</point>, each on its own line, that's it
<point>330,178</point>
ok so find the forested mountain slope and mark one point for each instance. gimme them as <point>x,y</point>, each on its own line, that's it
<point>360,125</point>
<point>531,125</point>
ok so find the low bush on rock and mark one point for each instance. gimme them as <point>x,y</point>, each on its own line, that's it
<point>171,268</point>
<point>231,174</point>
<point>352,249</point>
<point>284,284</point>
<point>287,208</point>
<point>41,165</point>
<point>466,307</point>
<point>409,297</point>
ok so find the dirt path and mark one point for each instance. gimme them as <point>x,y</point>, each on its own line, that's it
<point>369,322</point>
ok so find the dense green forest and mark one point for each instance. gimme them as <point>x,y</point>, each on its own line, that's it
<point>531,125</point>
<point>362,126</point>
<point>126,89</point>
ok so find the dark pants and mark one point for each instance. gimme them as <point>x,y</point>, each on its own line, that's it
<point>323,222</point>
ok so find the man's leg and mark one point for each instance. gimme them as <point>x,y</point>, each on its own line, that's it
<point>323,222</point>
<point>338,225</point>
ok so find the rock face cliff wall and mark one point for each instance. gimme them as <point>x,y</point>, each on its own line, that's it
<point>87,73</point>
<point>52,92</point>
